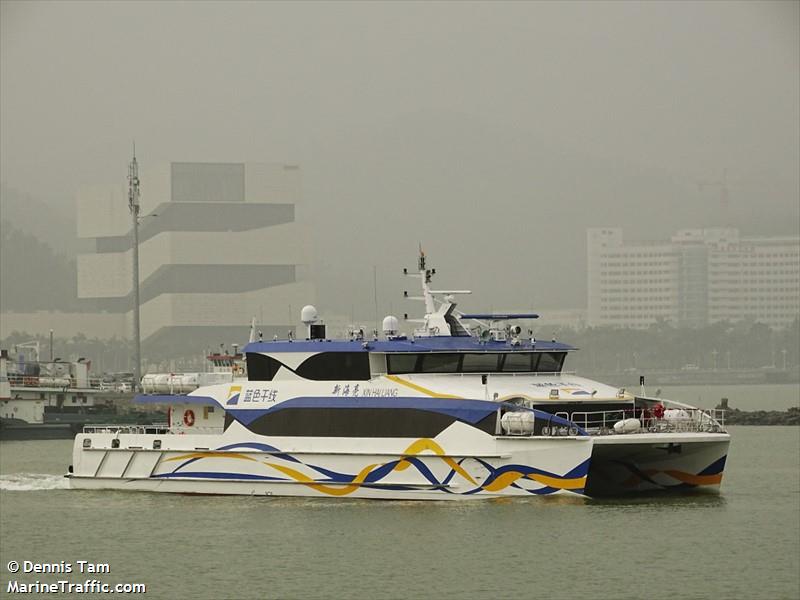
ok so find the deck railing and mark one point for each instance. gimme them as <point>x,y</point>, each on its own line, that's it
<point>155,428</point>
<point>678,419</point>
<point>58,382</point>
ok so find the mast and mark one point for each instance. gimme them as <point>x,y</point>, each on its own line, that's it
<point>437,321</point>
<point>425,276</point>
<point>133,206</point>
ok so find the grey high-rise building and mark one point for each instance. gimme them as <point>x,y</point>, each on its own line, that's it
<point>220,243</point>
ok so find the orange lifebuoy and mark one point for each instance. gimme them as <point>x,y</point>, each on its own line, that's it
<point>188,418</point>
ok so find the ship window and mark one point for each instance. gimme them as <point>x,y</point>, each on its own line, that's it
<point>334,366</point>
<point>401,363</point>
<point>476,362</point>
<point>358,422</point>
<point>550,362</point>
<point>480,363</point>
<point>516,362</point>
<point>440,363</point>
<point>261,367</point>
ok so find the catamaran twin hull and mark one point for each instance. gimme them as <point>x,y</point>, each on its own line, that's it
<point>398,418</point>
<point>462,462</point>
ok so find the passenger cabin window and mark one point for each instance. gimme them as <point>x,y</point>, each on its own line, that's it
<point>260,367</point>
<point>326,366</point>
<point>332,366</point>
<point>476,362</point>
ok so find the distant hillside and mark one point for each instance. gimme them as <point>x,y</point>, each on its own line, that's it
<point>32,276</point>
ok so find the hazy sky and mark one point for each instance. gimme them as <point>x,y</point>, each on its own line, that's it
<point>493,133</point>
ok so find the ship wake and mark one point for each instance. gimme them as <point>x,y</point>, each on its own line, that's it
<point>32,482</point>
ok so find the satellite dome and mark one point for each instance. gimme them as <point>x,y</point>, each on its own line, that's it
<point>309,315</point>
<point>390,325</point>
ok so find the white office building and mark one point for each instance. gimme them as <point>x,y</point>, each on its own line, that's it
<point>700,276</point>
<point>219,244</point>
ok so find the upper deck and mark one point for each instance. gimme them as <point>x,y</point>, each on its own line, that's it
<point>444,343</point>
<point>422,344</point>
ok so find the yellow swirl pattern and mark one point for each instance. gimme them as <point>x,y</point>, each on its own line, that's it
<point>681,476</point>
<point>421,445</point>
<point>417,448</point>
<point>506,479</point>
<point>419,388</point>
<point>331,490</point>
<point>576,483</point>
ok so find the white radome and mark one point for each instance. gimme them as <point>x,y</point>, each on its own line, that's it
<point>309,315</point>
<point>390,325</point>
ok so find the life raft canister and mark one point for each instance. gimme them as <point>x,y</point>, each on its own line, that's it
<point>188,418</point>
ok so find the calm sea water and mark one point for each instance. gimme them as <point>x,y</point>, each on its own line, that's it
<point>743,543</point>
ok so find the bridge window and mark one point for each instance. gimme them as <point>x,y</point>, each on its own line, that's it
<point>519,362</point>
<point>439,363</point>
<point>550,362</point>
<point>476,362</point>
<point>481,363</point>
<point>401,363</point>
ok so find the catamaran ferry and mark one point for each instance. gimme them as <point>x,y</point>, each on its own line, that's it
<point>466,407</point>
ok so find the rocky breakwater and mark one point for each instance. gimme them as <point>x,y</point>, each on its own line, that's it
<point>734,416</point>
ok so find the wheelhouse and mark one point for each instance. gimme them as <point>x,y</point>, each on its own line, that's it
<point>475,362</point>
<point>331,361</point>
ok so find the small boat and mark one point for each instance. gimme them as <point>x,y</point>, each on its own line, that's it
<point>53,399</point>
<point>466,407</point>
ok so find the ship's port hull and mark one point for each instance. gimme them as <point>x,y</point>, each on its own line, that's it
<point>462,463</point>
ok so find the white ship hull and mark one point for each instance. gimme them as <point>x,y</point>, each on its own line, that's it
<point>461,463</point>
